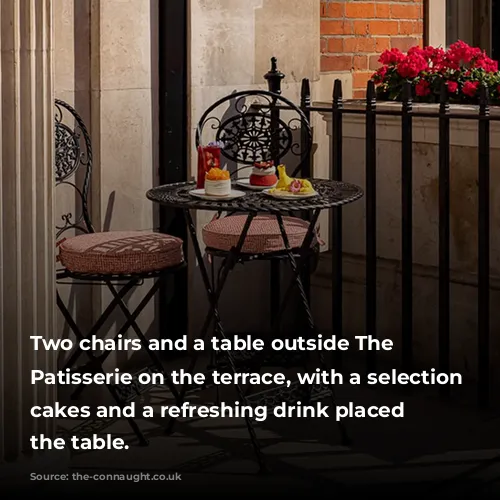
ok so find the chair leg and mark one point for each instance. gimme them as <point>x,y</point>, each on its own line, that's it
<point>133,424</point>
<point>213,314</point>
<point>95,329</point>
<point>99,323</point>
<point>213,355</point>
<point>248,421</point>
<point>296,268</point>
<point>95,361</point>
<point>345,439</point>
<point>131,322</point>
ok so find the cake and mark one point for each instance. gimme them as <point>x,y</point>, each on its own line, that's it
<point>263,175</point>
<point>292,185</point>
<point>217,182</point>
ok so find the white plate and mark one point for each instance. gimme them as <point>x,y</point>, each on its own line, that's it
<point>284,195</point>
<point>246,184</point>
<point>200,193</point>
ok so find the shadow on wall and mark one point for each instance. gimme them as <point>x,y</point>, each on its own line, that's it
<point>77,70</point>
<point>230,113</point>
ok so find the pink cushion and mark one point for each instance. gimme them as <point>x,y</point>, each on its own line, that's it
<point>264,235</point>
<point>120,252</point>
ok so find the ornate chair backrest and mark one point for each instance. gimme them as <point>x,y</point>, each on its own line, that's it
<point>73,168</point>
<point>257,126</point>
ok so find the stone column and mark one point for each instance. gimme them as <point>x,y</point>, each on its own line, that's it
<point>27,253</point>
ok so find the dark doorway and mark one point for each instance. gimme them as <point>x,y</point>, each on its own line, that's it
<point>173,154</point>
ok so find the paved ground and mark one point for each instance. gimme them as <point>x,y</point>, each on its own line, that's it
<point>438,449</point>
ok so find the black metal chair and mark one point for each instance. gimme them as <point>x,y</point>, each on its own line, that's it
<point>257,126</point>
<point>261,126</point>
<point>119,261</point>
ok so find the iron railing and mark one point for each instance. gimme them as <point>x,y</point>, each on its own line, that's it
<point>444,115</point>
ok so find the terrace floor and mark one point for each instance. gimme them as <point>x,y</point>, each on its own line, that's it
<point>446,450</point>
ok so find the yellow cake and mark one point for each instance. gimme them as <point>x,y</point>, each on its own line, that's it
<point>291,185</point>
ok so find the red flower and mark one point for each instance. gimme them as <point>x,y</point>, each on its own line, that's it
<point>412,65</point>
<point>379,75</point>
<point>422,88</point>
<point>391,57</point>
<point>452,86</point>
<point>460,53</point>
<point>470,88</point>
<point>484,62</point>
<point>428,67</point>
<point>437,59</point>
<point>417,51</point>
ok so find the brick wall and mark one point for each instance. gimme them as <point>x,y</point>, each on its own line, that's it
<point>355,32</point>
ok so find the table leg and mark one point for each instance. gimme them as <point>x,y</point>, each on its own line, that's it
<point>305,302</point>
<point>212,297</point>
<point>213,313</point>
<point>297,268</point>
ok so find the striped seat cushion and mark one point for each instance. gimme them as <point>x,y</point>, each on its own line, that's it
<point>120,252</point>
<point>264,235</point>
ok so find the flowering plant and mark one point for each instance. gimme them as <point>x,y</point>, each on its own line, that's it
<point>463,69</point>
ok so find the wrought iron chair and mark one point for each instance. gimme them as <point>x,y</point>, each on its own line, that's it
<point>261,126</point>
<point>119,261</point>
<point>258,126</point>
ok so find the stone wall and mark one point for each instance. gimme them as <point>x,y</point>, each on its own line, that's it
<point>27,252</point>
<point>232,42</point>
<point>105,65</point>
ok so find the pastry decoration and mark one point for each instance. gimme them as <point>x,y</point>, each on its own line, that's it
<point>263,174</point>
<point>217,174</point>
<point>292,185</point>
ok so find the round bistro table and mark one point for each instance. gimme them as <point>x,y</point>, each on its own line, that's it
<point>331,194</point>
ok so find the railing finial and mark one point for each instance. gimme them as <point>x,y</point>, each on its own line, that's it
<point>337,92</point>
<point>305,93</point>
<point>370,94</point>
<point>444,100</point>
<point>274,77</point>
<point>484,100</point>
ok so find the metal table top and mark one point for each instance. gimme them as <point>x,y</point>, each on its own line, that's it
<point>330,194</point>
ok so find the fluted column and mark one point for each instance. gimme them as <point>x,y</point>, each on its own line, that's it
<point>27,254</point>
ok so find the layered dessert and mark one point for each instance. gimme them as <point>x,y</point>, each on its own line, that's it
<point>290,185</point>
<point>263,174</point>
<point>217,182</point>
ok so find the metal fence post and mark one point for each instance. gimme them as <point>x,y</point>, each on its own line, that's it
<point>274,78</point>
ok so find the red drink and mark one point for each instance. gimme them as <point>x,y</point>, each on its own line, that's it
<point>208,157</point>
